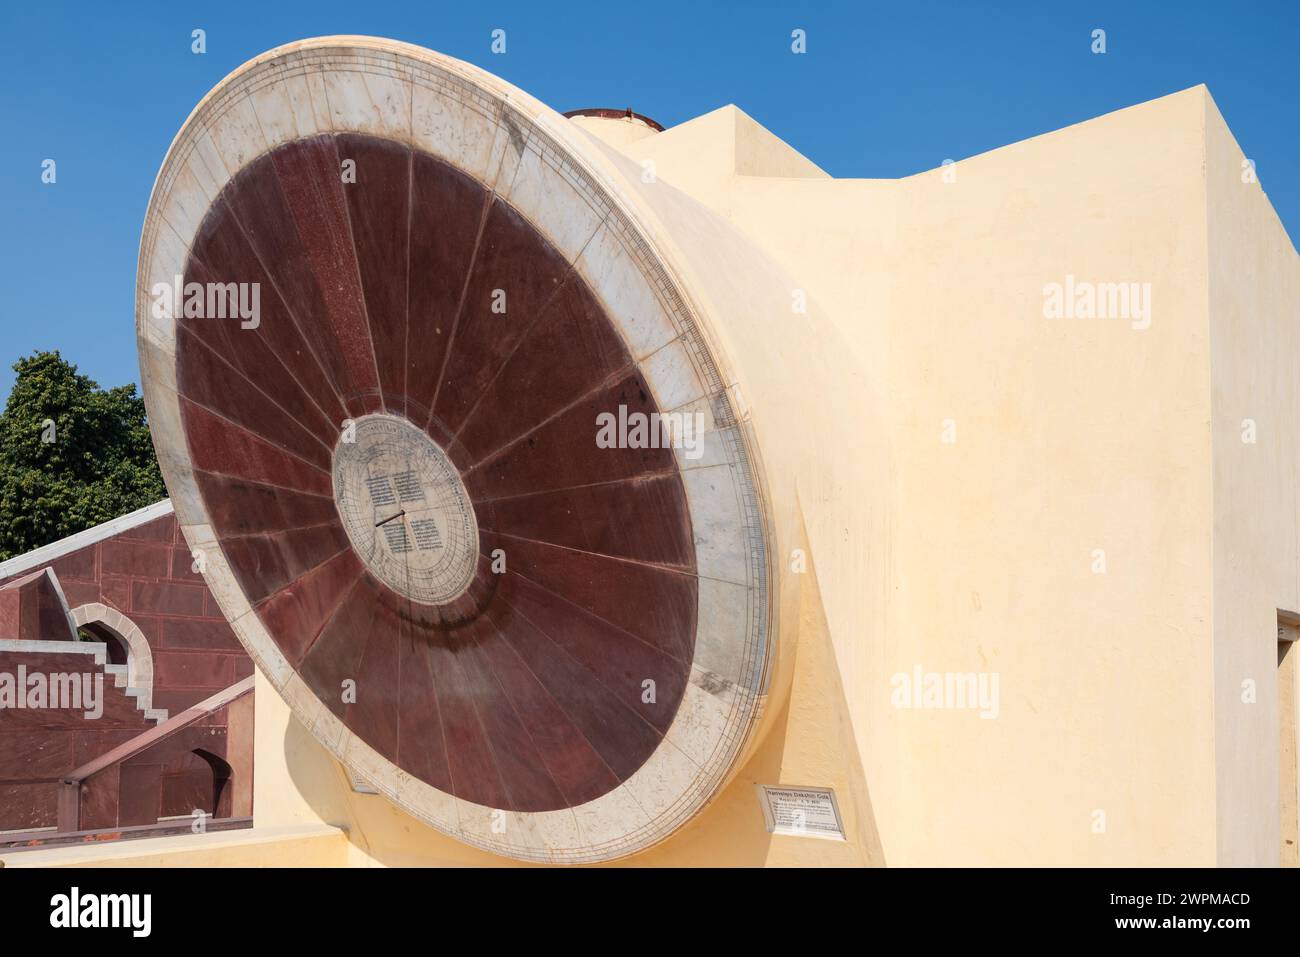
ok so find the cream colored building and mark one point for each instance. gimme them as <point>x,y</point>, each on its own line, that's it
<point>1028,424</point>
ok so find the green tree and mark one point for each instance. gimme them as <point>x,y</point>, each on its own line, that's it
<point>72,455</point>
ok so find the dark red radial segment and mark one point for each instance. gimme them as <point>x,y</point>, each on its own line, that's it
<point>557,673</point>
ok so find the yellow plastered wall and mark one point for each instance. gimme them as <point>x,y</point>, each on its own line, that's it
<point>1071,436</point>
<point>1062,541</point>
<point>1254,293</point>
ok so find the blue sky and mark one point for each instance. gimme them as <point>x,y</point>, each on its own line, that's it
<point>884,90</point>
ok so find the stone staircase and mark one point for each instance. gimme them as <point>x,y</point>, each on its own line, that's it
<point>142,696</point>
<point>18,649</point>
<point>34,618</point>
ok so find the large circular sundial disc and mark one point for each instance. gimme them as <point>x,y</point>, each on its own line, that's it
<point>438,411</point>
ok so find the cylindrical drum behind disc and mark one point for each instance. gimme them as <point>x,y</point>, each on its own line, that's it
<point>454,451</point>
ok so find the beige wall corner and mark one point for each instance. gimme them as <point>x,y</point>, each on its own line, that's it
<point>1254,305</point>
<point>704,156</point>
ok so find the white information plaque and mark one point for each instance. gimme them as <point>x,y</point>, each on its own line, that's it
<point>801,812</point>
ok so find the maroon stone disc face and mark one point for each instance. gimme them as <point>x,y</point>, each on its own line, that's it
<point>396,444</point>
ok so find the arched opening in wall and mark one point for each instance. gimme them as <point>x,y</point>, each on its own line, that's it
<point>126,644</point>
<point>98,631</point>
<point>202,780</point>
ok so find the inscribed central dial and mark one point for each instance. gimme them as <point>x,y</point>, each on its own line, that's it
<point>405,509</point>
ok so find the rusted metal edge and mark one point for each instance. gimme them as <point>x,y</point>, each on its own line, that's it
<point>611,114</point>
<point>34,840</point>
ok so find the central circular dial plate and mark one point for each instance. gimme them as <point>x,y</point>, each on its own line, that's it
<point>405,509</point>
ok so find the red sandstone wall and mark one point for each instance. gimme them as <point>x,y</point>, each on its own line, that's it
<point>39,746</point>
<point>30,609</point>
<point>145,574</point>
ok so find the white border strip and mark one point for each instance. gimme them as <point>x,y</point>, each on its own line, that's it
<point>65,546</point>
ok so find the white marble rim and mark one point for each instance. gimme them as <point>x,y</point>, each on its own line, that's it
<point>381,87</point>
